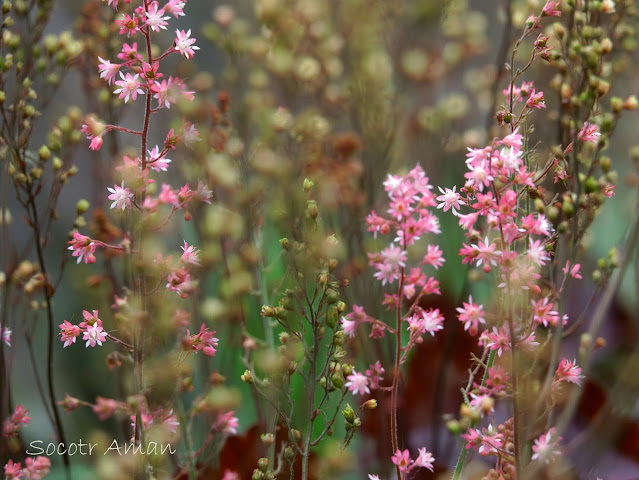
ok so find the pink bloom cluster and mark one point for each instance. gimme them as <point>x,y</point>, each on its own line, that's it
<point>35,468</point>
<point>226,422</point>
<point>406,464</point>
<point>90,327</point>
<point>179,279</point>
<point>11,426</point>
<point>409,219</point>
<point>203,341</point>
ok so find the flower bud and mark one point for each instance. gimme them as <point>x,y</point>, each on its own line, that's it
<point>268,438</point>
<point>370,404</point>
<point>247,377</point>
<point>349,414</point>
<point>82,206</point>
<point>262,464</point>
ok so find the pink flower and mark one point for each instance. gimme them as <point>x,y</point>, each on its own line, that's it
<point>128,25</point>
<point>94,335</point>
<point>373,477</point>
<point>83,248</point>
<point>230,475</point>
<point>374,374</point>
<point>90,319</point>
<point>545,447</point>
<point>121,197</point>
<point>589,133</point>
<point>574,271</point>
<point>536,100</point>
<point>157,160</point>
<point>36,468</point>
<point>433,321</point>
<point>450,199</point>
<point>190,255</point>
<point>491,441</point>
<point>5,334</point>
<point>130,53</point>
<point>357,383</point>
<point>175,7</point>
<point>129,87</point>
<point>424,459</point>
<point>180,281</point>
<point>551,8</point>
<point>537,252</point>
<point>108,70</point>
<point>226,423</point>
<point>203,341</point>
<point>184,44</point>
<point>69,332</point>
<point>471,314</point>
<point>349,326</point>
<point>568,371</point>
<point>20,415</point>
<point>96,143</point>
<point>12,470</point>
<point>104,407</point>
<point>155,19</point>
<point>402,460</point>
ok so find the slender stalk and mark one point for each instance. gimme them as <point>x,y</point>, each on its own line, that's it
<point>464,451</point>
<point>396,373</point>
<point>50,338</point>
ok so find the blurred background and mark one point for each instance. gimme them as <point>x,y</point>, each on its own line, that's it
<point>343,92</point>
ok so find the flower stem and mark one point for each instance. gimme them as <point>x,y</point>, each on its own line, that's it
<point>464,451</point>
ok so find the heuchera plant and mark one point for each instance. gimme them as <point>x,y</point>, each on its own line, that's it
<point>524,218</point>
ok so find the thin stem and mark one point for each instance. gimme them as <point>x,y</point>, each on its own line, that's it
<point>464,451</point>
<point>398,359</point>
<point>50,339</point>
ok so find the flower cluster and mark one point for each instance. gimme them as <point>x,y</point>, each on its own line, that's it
<point>35,468</point>
<point>90,328</point>
<point>11,426</point>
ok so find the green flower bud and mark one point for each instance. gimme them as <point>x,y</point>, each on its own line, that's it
<point>349,414</point>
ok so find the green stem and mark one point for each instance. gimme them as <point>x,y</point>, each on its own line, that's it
<point>464,451</point>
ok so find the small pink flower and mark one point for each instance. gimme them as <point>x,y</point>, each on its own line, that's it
<point>374,374</point>
<point>96,143</point>
<point>536,100</point>
<point>155,18</point>
<point>450,199</point>
<point>104,407</point>
<point>129,87</point>
<point>83,248</point>
<point>589,133</point>
<point>184,44</point>
<point>94,335</point>
<point>190,255</point>
<point>568,371</point>
<point>357,383</point>
<point>471,314</point>
<point>36,468</point>
<point>108,70</point>
<point>402,460</point>
<point>349,326</point>
<point>121,197</point>
<point>12,470</point>
<point>551,8</point>
<point>127,24</point>
<point>545,447</point>
<point>424,459</point>
<point>226,423</point>
<point>69,332</point>
<point>204,341</point>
